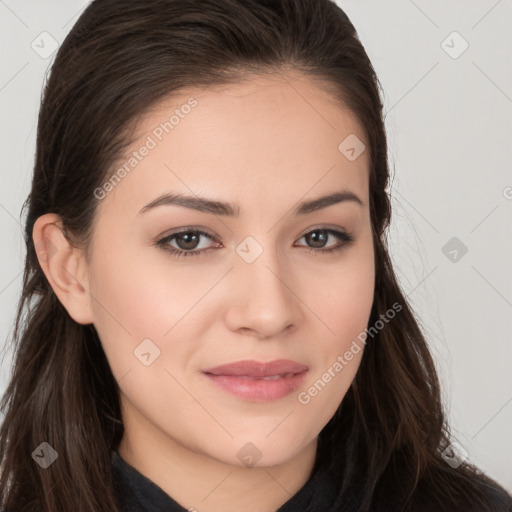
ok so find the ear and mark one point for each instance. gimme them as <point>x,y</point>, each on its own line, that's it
<point>64,266</point>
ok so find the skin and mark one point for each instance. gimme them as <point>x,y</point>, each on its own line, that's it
<point>266,144</point>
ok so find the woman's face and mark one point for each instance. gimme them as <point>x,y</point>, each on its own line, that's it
<point>266,282</point>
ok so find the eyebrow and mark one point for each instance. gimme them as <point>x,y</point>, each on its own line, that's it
<point>233,210</point>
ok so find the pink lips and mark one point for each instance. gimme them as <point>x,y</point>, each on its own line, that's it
<point>256,381</point>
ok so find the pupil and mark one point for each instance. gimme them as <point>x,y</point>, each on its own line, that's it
<point>190,241</point>
<point>317,236</point>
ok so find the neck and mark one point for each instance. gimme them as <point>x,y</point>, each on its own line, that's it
<point>199,482</point>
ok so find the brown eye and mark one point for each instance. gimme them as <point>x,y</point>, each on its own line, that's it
<point>317,240</point>
<point>187,241</point>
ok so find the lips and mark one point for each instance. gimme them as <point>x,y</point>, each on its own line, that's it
<point>257,381</point>
<point>257,370</point>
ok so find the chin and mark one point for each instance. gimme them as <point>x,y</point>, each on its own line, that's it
<point>261,452</point>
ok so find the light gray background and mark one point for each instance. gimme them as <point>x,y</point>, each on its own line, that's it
<point>449,123</point>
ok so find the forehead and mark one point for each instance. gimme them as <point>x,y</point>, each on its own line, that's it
<point>274,137</point>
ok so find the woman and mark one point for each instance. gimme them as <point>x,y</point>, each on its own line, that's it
<point>280,367</point>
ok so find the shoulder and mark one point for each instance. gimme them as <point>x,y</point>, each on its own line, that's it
<point>441,488</point>
<point>464,491</point>
<point>497,497</point>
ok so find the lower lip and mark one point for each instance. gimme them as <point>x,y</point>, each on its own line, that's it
<point>258,390</point>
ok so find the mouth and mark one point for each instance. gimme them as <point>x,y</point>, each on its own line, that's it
<point>258,381</point>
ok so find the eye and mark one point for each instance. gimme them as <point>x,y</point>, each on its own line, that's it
<point>188,241</point>
<point>318,238</point>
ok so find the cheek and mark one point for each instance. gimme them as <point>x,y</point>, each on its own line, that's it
<point>339,352</point>
<point>134,300</point>
<point>345,302</point>
<point>143,316</point>
<point>322,394</point>
<point>345,311</point>
<point>139,288</point>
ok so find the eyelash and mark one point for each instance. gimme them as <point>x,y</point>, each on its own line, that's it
<point>344,239</point>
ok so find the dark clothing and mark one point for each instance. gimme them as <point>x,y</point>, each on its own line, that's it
<point>136,493</point>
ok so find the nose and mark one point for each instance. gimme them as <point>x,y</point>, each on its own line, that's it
<point>262,297</point>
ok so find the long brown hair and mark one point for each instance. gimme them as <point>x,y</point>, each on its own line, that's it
<point>121,57</point>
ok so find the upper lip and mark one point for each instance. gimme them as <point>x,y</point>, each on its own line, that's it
<point>250,368</point>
